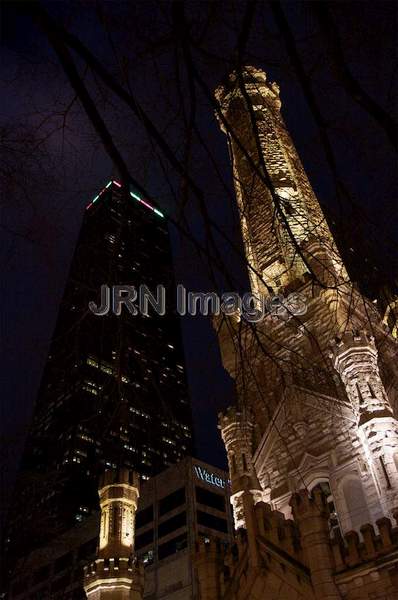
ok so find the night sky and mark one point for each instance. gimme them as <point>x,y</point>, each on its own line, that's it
<point>55,164</point>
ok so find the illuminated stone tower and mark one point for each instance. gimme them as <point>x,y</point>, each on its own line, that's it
<point>322,396</point>
<point>115,574</point>
<point>283,227</point>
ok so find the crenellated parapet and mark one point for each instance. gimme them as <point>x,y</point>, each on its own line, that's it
<point>283,533</point>
<point>278,545</point>
<point>121,477</point>
<point>103,578</point>
<point>301,550</point>
<point>352,551</point>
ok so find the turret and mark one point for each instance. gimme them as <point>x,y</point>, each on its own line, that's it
<point>355,358</point>
<point>237,433</point>
<point>115,574</point>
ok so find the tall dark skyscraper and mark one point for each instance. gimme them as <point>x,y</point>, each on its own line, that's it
<point>113,392</point>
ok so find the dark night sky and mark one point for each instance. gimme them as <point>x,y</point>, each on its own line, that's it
<point>40,225</point>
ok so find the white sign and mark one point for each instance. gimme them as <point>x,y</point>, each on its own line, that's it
<point>204,475</point>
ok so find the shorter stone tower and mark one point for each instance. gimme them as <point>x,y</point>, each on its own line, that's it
<point>115,574</point>
<point>237,433</point>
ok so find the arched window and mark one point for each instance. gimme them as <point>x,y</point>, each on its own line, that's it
<point>371,390</point>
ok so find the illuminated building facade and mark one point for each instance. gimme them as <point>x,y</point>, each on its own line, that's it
<point>312,441</point>
<point>113,392</point>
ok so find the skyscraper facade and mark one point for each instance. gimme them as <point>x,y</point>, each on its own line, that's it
<point>113,393</point>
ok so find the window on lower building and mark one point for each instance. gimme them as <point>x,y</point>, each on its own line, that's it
<point>87,550</point>
<point>42,594</point>
<point>211,521</point>
<point>210,498</point>
<point>171,547</point>
<point>144,539</point>
<point>172,501</point>
<point>172,524</point>
<point>147,558</point>
<point>61,583</point>
<point>206,538</point>
<point>41,574</point>
<point>63,562</point>
<point>21,585</point>
<point>144,517</point>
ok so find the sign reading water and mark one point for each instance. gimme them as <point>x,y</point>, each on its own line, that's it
<point>205,475</point>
